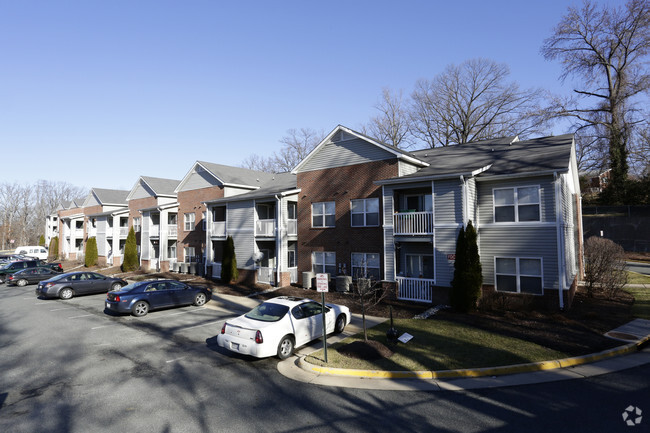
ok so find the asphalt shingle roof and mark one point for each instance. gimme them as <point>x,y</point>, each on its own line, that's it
<point>111,196</point>
<point>238,175</point>
<point>161,186</point>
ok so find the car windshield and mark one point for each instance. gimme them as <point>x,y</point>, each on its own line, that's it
<point>132,286</point>
<point>268,312</point>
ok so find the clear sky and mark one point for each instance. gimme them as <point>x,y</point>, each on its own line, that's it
<point>97,93</point>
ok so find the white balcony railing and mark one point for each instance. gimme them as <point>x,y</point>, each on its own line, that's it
<point>415,289</point>
<point>172,231</point>
<point>266,275</point>
<point>154,230</point>
<point>265,227</point>
<point>92,231</point>
<point>216,269</point>
<point>292,227</point>
<point>124,232</point>
<point>294,274</point>
<point>218,228</point>
<point>413,223</point>
<point>78,233</point>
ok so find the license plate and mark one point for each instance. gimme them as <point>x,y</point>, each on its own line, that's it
<point>108,305</point>
<point>234,346</point>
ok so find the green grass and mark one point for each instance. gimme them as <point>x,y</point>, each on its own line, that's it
<point>641,306</point>
<point>439,345</point>
<point>636,278</point>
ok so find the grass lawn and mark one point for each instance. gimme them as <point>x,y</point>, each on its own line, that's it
<point>439,345</point>
<point>636,278</point>
<point>641,306</point>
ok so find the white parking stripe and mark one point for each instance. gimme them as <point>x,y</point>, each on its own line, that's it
<point>177,359</point>
<point>76,317</point>
<point>66,308</point>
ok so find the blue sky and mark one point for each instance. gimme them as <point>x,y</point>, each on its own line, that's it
<point>97,93</point>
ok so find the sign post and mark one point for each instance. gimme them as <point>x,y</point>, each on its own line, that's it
<point>322,286</point>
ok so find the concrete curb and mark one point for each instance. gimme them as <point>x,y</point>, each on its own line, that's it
<point>477,372</point>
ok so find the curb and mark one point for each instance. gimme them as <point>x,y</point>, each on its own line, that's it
<point>476,372</point>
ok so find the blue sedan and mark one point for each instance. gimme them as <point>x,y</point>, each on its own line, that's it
<point>138,298</point>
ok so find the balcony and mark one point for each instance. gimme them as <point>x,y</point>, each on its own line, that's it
<point>78,233</point>
<point>218,228</point>
<point>292,227</point>
<point>172,231</point>
<point>154,231</point>
<point>415,289</point>
<point>92,231</point>
<point>124,232</point>
<point>265,227</point>
<point>413,223</point>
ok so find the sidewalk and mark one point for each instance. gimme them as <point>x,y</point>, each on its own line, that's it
<point>630,354</point>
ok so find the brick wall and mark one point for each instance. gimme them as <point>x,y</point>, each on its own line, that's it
<point>341,185</point>
<point>190,202</point>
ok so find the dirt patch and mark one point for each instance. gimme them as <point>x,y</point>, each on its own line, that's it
<point>367,350</point>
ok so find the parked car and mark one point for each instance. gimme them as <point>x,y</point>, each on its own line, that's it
<point>279,325</point>
<point>12,267</point>
<point>30,276</point>
<point>65,286</point>
<point>55,266</point>
<point>33,251</point>
<point>141,297</point>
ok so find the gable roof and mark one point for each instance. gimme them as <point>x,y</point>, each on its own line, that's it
<point>116,197</point>
<point>280,184</point>
<point>491,158</point>
<point>159,186</point>
<point>228,175</point>
<point>330,138</point>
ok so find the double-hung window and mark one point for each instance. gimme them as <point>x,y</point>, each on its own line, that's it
<point>190,255</point>
<point>518,275</point>
<point>137,224</point>
<point>323,214</point>
<point>365,212</point>
<point>365,265</point>
<point>189,221</point>
<point>324,262</point>
<point>519,204</point>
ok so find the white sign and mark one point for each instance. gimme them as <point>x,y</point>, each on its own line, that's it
<point>321,283</point>
<point>405,337</point>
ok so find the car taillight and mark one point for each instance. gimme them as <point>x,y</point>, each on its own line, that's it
<point>116,298</point>
<point>258,337</point>
<point>10,277</point>
<point>223,328</point>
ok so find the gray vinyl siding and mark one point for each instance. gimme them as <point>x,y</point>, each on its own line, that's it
<point>240,224</point>
<point>389,254</point>
<point>405,168</point>
<point>533,242</point>
<point>142,192</point>
<point>547,197</point>
<point>448,202</point>
<point>472,201</point>
<point>198,180</point>
<point>101,236</point>
<point>92,201</point>
<point>344,153</point>
<point>389,206</point>
<point>144,244</point>
<point>445,240</point>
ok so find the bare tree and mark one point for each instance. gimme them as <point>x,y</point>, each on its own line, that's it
<point>296,146</point>
<point>607,50</point>
<point>473,101</point>
<point>393,124</point>
<point>604,267</point>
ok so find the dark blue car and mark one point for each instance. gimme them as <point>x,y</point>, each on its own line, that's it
<point>138,298</point>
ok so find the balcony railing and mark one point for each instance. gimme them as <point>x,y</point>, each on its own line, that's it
<point>124,232</point>
<point>265,227</point>
<point>172,231</point>
<point>154,230</point>
<point>218,228</point>
<point>266,275</point>
<point>413,223</point>
<point>415,289</point>
<point>292,227</point>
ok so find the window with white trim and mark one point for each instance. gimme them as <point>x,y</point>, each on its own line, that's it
<point>190,256</point>
<point>189,221</point>
<point>137,224</point>
<point>518,275</point>
<point>171,250</point>
<point>323,262</point>
<point>323,214</point>
<point>365,212</point>
<point>419,266</point>
<point>520,204</point>
<point>365,265</point>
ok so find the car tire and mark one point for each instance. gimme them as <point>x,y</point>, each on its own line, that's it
<point>141,308</point>
<point>200,299</point>
<point>339,326</point>
<point>21,283</point>
<point>116,286</point>
<point>66,293</point>
<point>285,347</point>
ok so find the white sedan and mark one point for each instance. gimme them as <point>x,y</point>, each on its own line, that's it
<point>279,325</point>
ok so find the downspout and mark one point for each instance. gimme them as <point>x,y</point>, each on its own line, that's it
<point>465,203</point>
<point>208,244</point>
<point>278,239</point>
<point>560,244</point>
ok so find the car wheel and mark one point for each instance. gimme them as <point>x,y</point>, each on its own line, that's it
<point>66,293</point>
<point>21,283</point>
<point>339,326</point>
<point>141,308</point>
<point>116,286</point>
<point>285,348</point>
<point>200,299</point>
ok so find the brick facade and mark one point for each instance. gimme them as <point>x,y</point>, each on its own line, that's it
<point>191,202</point>
<point>341,185</point>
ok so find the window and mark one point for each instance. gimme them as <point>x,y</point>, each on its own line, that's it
<point>365,212</point>
<point>324,262</point>
<point>204,221</point>
<point>516,204</point>
<point>189,254</point>
<point>365,265</point>
<point>171,250</point>
<point>137,224</point>
<point>323,214</point>
<point>291,259</point>
<point>518,275</point>
<point>189,221</point>
<point>292,210</point>
<point>419,266</point>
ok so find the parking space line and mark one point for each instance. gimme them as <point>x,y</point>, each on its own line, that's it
<point>205,324</point>
<point>177,359</point>
<point>103,326</point>
<point>65,308</point>
<point>76,317</point>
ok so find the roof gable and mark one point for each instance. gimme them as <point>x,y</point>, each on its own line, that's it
<point>205,174</point>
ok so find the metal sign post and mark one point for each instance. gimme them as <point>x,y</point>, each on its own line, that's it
<point>322,286</point>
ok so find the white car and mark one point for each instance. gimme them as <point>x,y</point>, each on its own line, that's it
<point>279,325</point>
